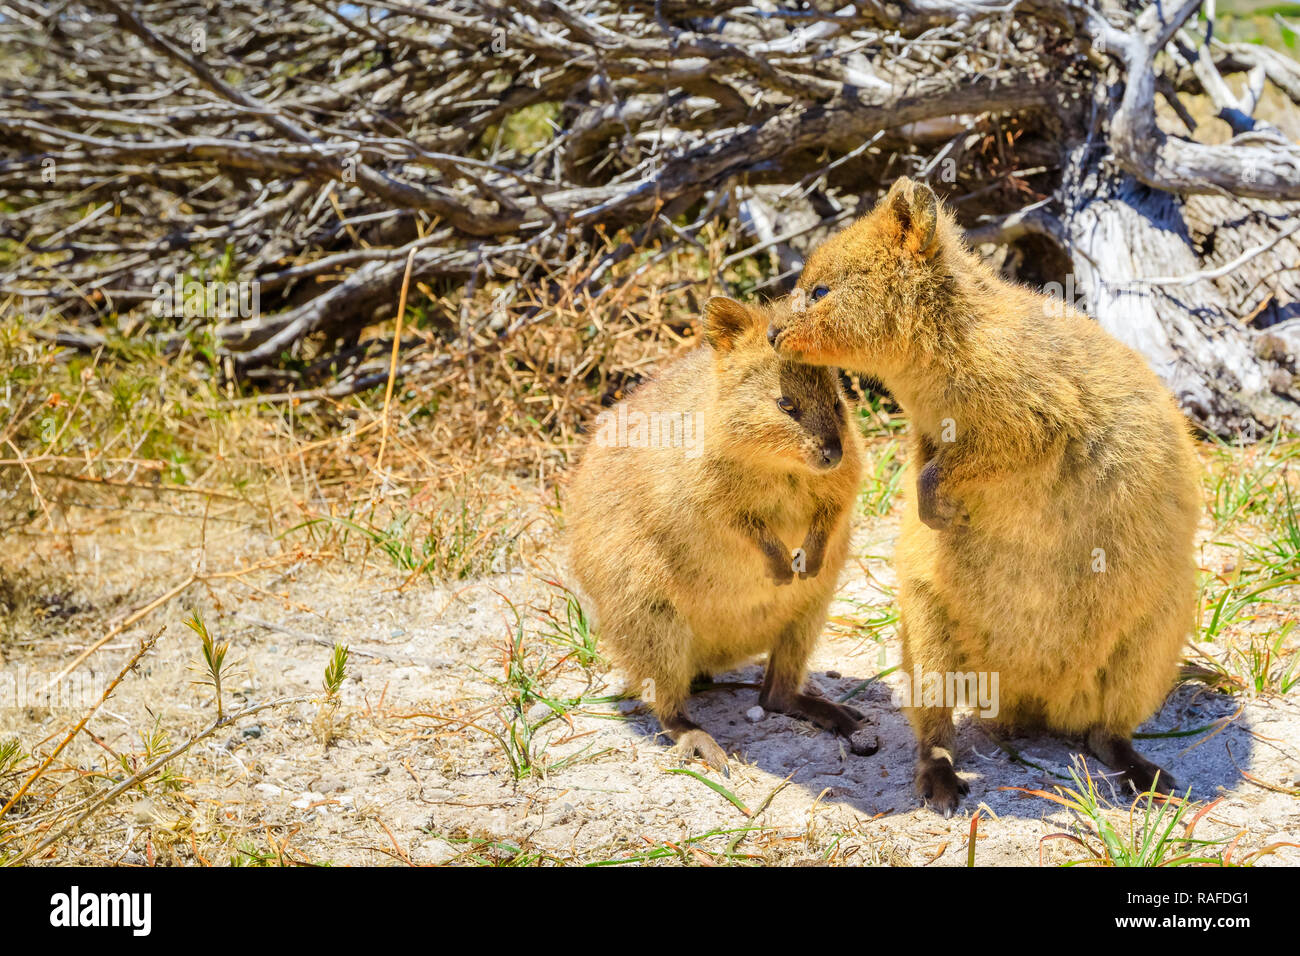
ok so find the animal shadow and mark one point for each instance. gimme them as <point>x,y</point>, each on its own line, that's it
<point>1189,736</point>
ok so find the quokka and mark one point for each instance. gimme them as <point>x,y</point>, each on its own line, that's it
<point>696,560</point>
<point>1050,535</point>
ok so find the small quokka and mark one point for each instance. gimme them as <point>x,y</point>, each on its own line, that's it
<point>1050,536</point>
<point>709,522</point>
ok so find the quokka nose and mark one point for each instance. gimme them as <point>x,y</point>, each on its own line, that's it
<point>832,452</point>
<point>772,333</point>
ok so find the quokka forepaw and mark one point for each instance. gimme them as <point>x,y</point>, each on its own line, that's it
<point>939,786</point>
<point>936,509</point>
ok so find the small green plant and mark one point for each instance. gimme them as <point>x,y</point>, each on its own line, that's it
<point>878,416</point>
<point>1238,596</point>
<point>1261,582</point>
<point>1147,839</point>
<point>690,850</point>
<point>336,672</point>
<point>1265,667</point>
<point>212,667</point>
<point>1281,548</point>
<point>453,542</point>
<point>325,724</point>
<point>250,854</point>
<point>526,130</point>
<point>1242,479</point>
<point>574,631</point>
<point>527,683</point>
<point>872,620</point>
<point>155,742</point>
<point>484,850</point>
<point>247,854</point>
<point>881,483</point>
<point>11,753</point>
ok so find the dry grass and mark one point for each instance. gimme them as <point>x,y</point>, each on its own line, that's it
<point>89,431</point>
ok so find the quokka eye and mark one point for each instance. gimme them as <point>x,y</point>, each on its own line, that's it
<point>787,406</point>
<point>819,292</point>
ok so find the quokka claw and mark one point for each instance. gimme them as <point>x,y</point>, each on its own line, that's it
<point>697,743</point>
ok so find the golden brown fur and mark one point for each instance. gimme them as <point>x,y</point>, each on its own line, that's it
<point>1051,539</point>
<point>690,560</point>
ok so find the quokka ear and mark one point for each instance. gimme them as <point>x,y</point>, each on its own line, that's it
<point>916,209</point>
<point>725,321</point>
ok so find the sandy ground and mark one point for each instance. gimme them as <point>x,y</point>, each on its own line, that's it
<point>418,771</point>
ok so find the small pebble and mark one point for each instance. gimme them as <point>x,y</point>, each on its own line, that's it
<point>834,675</point>
<point>755,714</point>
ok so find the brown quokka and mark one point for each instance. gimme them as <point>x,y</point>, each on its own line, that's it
<point>1050,538</point>
<point>709,521</point>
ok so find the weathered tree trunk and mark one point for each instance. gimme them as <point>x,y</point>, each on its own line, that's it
<point>1150,267</point>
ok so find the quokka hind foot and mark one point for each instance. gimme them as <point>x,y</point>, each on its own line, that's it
<point>783,687</point>
<point>849,722</point>
<point>1117,752</point>
<point>826,714</point>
